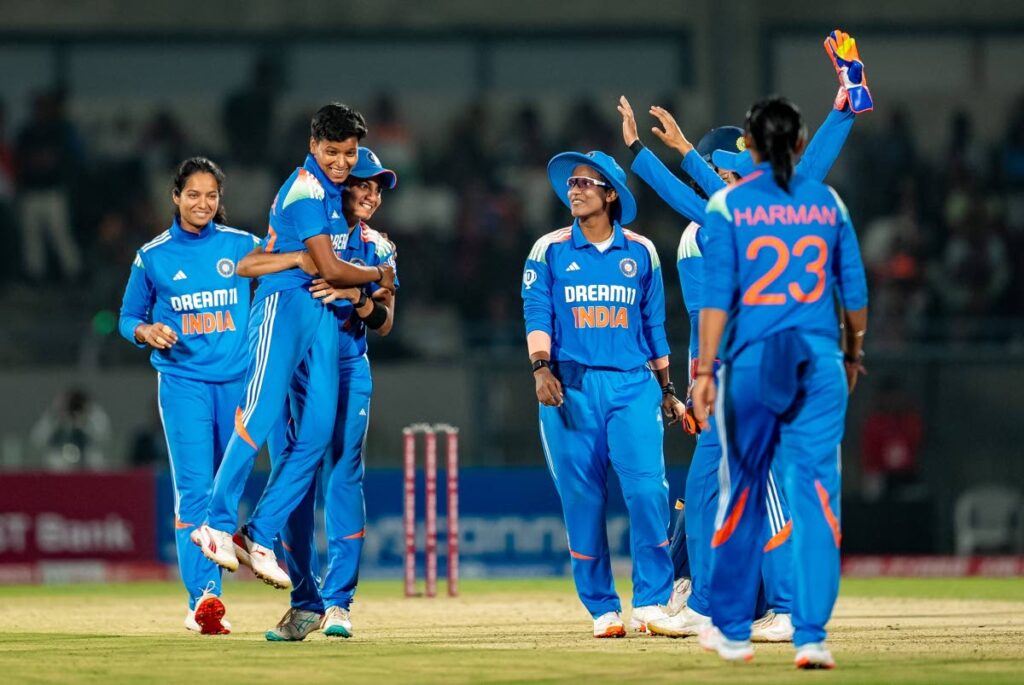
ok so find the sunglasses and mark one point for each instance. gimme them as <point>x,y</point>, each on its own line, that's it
<point>584,182</point>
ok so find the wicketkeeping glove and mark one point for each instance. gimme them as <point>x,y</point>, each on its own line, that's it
<point>853,82</point>
<point>690,423</point>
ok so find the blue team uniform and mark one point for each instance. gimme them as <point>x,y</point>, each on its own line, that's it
<point>342,472</point>
<point>605,313</point>
<point>701,492</point>
<point>293,356</point>
<point>188,282</point>
<point>777,262</point>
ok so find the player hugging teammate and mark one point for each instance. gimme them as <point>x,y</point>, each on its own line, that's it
<point>289,375</point>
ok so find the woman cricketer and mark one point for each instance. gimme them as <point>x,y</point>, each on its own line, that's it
<point>594,306</point>
<point>780,254</point>
<point>185,300</point>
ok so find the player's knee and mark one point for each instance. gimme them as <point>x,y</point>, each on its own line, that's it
<point>644,489</point>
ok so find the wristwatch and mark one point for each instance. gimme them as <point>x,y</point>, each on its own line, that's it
<point>540,364</point>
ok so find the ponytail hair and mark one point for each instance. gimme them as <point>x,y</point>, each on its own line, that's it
<point>776,126</point>
<point>201,165</point>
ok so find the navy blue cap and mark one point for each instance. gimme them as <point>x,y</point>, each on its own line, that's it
<point>727,138</point>
<point>368,166</point>
<point>561,166</point>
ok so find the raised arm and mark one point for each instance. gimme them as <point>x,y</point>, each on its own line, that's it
<point>676,194</point>
<point>342,274</point>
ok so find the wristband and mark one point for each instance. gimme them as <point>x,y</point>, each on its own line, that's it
<point>377,316</point>
<point>361,302</point>
<point>636,147</point>
<point>541,364</point>
<point>669,389</point>
<point>380,274</point>
<point>854,359</point>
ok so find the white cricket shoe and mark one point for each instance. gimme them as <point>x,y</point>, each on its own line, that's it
<point>261,560</point>
<point>216,546</point>
<point>207,617</point>
<point>772,627</point>
<point>641,615</point>
<point>814,655</point>
<point>294,626</point>
<point>683,624</point>
<point>337,622</point>
<point>681,588</point>
<point>712,640</point>
<point>609,625</point>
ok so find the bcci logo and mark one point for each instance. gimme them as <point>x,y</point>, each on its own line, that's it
<point>373,158</point>
<point>226,267</point>
<point>628,267</point>
<point>741,144</point>
<point>529,278</point>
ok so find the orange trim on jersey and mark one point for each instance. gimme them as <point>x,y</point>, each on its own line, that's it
<point>273,239</point>
<point>356,536</point>
<point>827,510</point>
<point>779,538</point>
<point>287,547</point>
<point>181,525</point>
<point>664,544</point>
<point>723,534</point>
<point>240,428</point>
<point>746,179</point>
<point>577,555</point>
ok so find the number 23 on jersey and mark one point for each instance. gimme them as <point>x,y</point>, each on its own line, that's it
<point>816,250</point>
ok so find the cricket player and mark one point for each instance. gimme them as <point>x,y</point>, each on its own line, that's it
<point>341,475</point>
<point>186,301</point>
<point>594,306</point>
<point>727,147</point>
<point>293,353</point>
<point>780,251</point>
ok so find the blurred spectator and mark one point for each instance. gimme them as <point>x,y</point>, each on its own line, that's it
<point>391,138</point>
<point>73,434</point>
<point>48,155</point>
<point>8,260</point>
<point>149,446</point>
<point>249,114</point>
<point>892,247</point>
<point>890,444</point>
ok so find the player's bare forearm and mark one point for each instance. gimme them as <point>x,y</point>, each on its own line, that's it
<point>712,326</point>
<point>259,263</point>
<point>855,326</point>
<point>338,273</point>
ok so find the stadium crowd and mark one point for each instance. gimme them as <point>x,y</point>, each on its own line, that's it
<point>943,240</point>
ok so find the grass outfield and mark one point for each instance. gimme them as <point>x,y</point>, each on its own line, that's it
<point>884,631</point>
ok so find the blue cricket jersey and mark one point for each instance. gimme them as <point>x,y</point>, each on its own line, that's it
<point>188,281</point>
<point>363,246</point>
<point>816,162</point>
<point>776,261</point>
<point>308,204</point>
<point>601,309</point>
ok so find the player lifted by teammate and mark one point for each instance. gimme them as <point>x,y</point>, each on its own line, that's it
<point>341,475</point>
<point>293,352</point>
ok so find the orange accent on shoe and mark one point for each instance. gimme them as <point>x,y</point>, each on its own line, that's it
<point>723,534</point>
<point>356,536</point>
<point>577,555</point>
<point>240,428</point>
<point>829,516</point>
<point>779,538</point>
<point>613,631</point>
<point>209,613</point>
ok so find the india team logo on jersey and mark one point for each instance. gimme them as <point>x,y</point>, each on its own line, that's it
<point>628,267</point>
<point>226,267</point>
